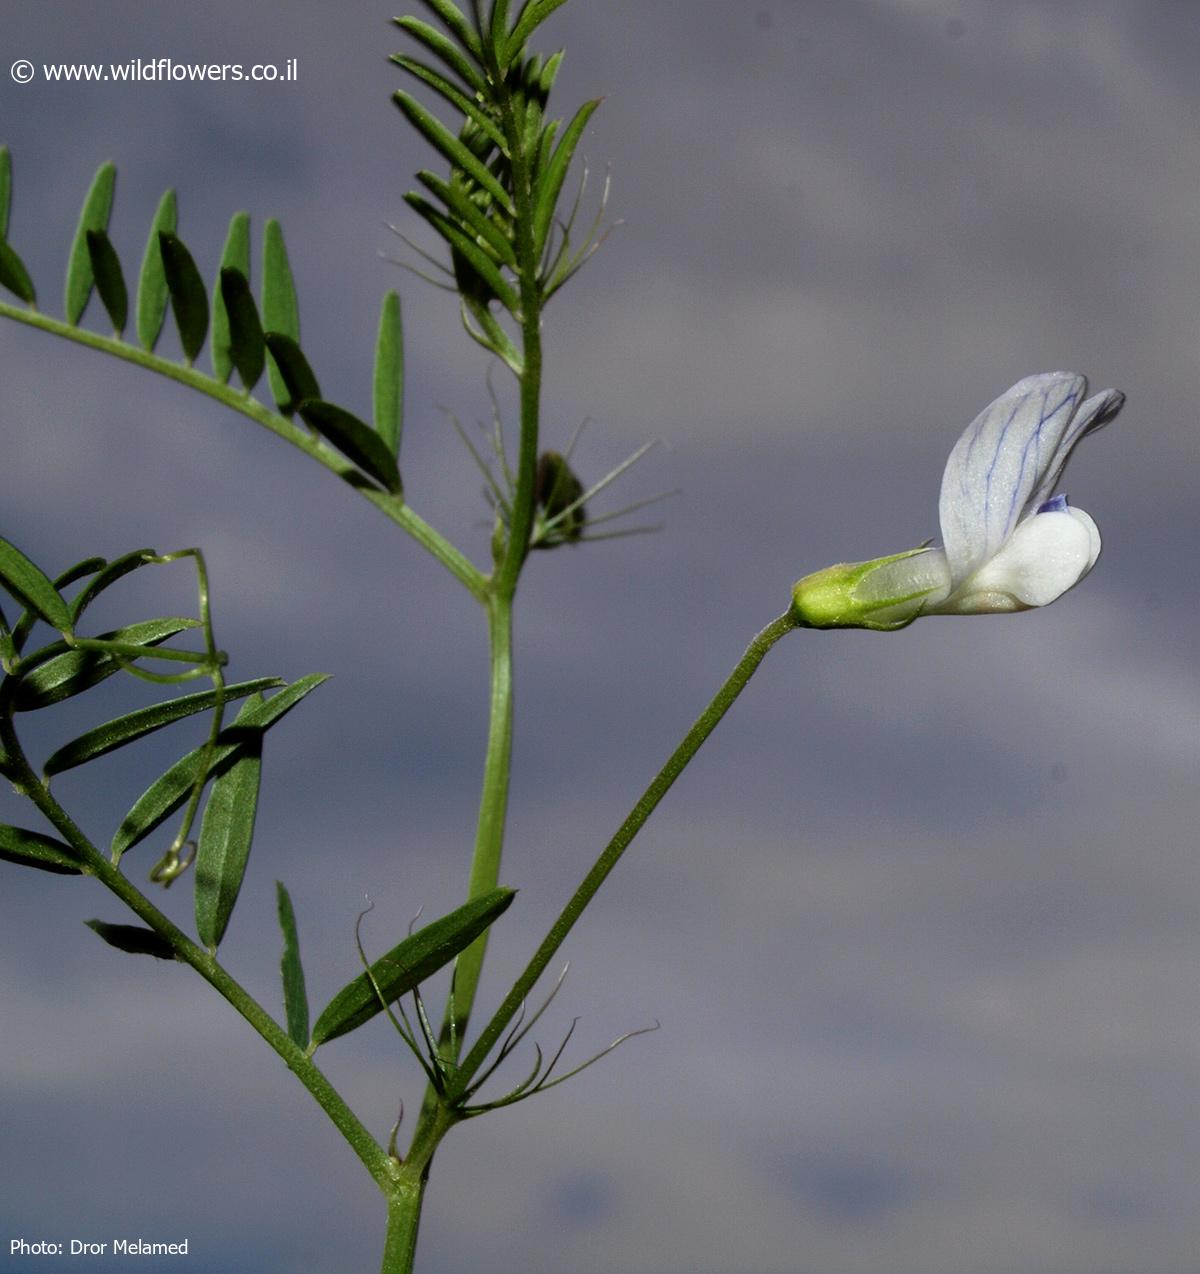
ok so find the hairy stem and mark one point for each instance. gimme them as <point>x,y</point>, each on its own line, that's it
<point>493,806</point>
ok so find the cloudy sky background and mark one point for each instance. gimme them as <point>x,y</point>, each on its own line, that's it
<point>922,921</point>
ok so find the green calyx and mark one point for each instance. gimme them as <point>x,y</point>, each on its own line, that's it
<point>833,598</point>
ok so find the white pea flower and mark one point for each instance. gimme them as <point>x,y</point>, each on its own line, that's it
<point>1009,542</point>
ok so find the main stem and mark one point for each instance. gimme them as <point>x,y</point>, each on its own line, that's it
<point>437,1115</point>
<point>489,832</point>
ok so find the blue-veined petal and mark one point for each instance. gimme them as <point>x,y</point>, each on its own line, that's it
<point>1095,413</point>
<point>1004,458</point>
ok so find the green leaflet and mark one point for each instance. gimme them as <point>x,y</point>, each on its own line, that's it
<point>550,182</point>
<point>477,257</point>
<point>458,25</point>
<point>549,72</point>
<point>94,216</point>
<point>14,276</point>
<point>443,140</point>
<point>245,335</point>
<point>234,256</point>
<point>409,964</point>
<point>127,729</point>
<point>532,16</point>
<point>295,997</point>
<point>133,938</point>
<point>30,586</point>
<point>32,849</point>
<point>57,672</point>
<point>169,791</point>
<point>110,282</point>
<point>471,215</point>
<point>468,106</point>
<point>289,366</point>
<point>151,303</point>
<point>279,309</point>
<point>355,439</point>
<point>446,50</point>
<point>388,395</point>
<point>226,833</point>
<point>188,297</point>
<point>498,32</point>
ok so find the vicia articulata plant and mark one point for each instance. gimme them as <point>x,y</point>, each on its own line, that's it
<point>505,219</point>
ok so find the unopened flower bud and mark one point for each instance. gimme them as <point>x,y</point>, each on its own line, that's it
<point>558,494</point>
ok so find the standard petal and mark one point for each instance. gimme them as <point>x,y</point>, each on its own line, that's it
<point>1048,554</point>
<point>1095,413</point>
<point>1004,458</point>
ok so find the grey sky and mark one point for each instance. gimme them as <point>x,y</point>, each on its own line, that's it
<point>920,922</point>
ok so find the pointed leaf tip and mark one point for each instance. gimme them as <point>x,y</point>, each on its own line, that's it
<point>355,439</point>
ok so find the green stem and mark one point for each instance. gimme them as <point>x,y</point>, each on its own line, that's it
<point>521,524</point>
<point>704,726</point>
<point>493,805</point>
<point>493,808</point>
<point>392,506</point>
<point>485,862</point>
<point>403,1222</point>
<point>407,1195</point>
